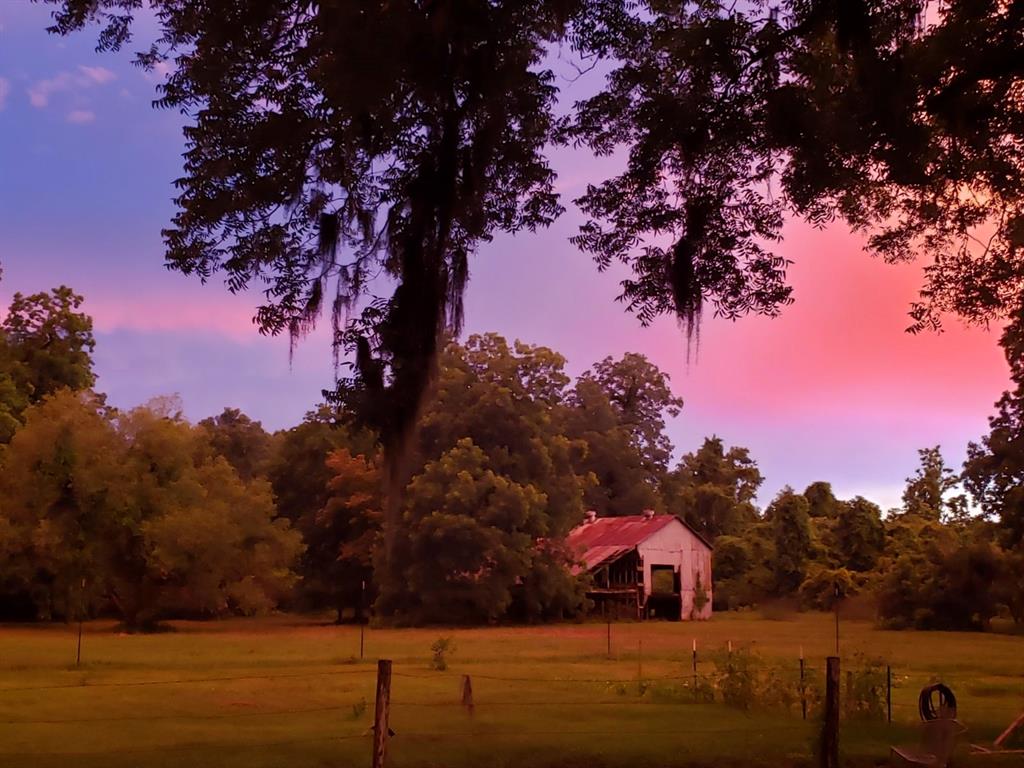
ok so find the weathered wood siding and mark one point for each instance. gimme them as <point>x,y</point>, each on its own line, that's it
<point>678,546</point>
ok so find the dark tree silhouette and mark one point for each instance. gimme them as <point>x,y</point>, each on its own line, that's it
<point>354,154</point>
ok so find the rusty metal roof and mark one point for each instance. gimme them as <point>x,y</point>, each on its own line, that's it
<point>607,538</point>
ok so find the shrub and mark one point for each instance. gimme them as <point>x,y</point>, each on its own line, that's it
<point>441,647</point>
<point>864,696</point>
<point>737,679</point>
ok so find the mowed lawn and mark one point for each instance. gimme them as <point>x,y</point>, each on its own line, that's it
<point>292,691</point>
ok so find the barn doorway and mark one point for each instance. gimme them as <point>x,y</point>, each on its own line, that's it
<point>665,600</point>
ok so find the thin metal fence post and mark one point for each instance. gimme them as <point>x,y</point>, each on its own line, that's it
<point>695,695</point>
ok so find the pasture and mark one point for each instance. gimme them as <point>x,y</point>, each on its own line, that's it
<point>292,691</point>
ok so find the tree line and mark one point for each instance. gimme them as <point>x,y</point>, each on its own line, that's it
<point>142,515</point>
<point>330,143</point>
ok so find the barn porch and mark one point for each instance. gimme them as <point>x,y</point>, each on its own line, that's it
<point>619,590</point>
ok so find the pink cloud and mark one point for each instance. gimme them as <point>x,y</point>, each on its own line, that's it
<point>221,315</point>
<point>98,75</point>
<point>81,116</point>
<point>40,92</point>
<point>5,89</point>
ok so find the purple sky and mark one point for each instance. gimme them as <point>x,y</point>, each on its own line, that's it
<point>833,390</point>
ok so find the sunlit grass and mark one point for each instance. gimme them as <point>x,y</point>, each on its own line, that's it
<point>290,691</point>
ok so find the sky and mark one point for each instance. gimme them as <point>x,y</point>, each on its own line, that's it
<point>833,389</point>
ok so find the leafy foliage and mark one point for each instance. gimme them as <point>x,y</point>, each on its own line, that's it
<point>790,528</point>
<point>46,345</point>
<point>508,400</point>
<point>355,155</point>
<point>902,118</point>
<point>994,471</point>
<point>240,440</point>
<point>927,492</point>
<point>469,538</point>
<point>940,583</point>
<point>821,500</point>
<point>859,534</point>
<point>618,409</point>
<point>641,398</point>
<point>128,512</point>
<point>714,489</point>
<point>342,536</point>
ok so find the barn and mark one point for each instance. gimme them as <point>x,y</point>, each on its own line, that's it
<point>647,566</point>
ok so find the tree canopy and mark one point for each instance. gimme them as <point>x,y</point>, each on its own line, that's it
<point>714,489</point>
<point>928,492</point>
<point>994,471</point>
<point>141,515</point>
<point>353,156</point>
<point>46,344</point>
<point>129,510</point>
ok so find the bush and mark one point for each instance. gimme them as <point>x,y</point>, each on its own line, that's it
<point>441,647</point>
<point>737,679</point>
<point>744,681</point>
<point>818,590</point>
<point>865,695</point>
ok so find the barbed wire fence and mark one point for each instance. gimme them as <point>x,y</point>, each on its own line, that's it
<point>815,697</point>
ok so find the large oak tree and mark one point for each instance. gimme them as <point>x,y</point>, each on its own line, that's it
<point>353,154</point>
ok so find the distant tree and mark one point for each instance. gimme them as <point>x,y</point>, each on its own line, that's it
<point>927,493</point>
<point>936,581</point>
<point>994,470</point>
<point>714,489</point>
<point>859,534</point>
<point>298,472</point>
<point>224,554</point>
<point>1009,589</point>
<point>127,511</point>
<point>65,502</point>
<point>13,400</point>
<point>641,397</point>
<point>208,543</point>
<point>509,400</point>
<point>330,141</point>
<point>469,540</point>
<point>45,345</point>
<point>240,440</point>
<point>297,468</point>
<point>743,573</point>
<point>341,538</point>
<point>623,483</point>
<point>790,526</point>
<point>822,501</point>
<point>822,587</point>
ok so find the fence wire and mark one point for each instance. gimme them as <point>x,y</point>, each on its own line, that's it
<point>904,683</point>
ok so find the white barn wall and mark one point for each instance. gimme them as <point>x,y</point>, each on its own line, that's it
<point>678,546</point>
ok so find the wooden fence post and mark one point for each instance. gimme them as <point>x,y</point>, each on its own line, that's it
<point>803,686</point>
<point>81,613</point>
<point>851,705</point>
<point>381,713</point>
<point>830,734</point>
<point>467,693</point>
<point>888,692</point>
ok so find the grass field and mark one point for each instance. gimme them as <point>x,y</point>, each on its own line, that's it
<point>290,691</point>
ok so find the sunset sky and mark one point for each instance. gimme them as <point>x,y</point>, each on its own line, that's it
<point>832,390</point>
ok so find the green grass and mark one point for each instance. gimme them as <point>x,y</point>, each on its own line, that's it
<point>290,691</point>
